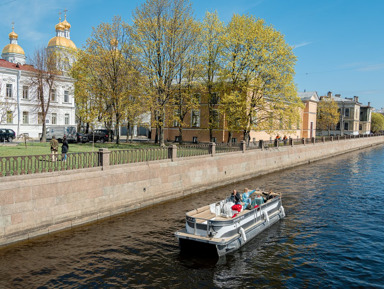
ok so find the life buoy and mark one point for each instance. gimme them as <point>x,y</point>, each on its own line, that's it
<point>242,233</point>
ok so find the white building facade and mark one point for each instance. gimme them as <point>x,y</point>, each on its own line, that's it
<point>19,106</point>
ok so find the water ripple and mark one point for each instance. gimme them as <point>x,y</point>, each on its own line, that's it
<point>332,237</point>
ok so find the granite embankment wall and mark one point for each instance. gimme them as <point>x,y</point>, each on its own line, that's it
<point>34,205</point>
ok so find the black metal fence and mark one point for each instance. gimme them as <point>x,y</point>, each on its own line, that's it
<point>21,165</point>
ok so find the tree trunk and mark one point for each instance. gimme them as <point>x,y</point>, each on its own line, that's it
<point>229,138</point>
<point>128,130</point>
<point>180,135</point>
<point>44,133</point>
<point>161,140</point>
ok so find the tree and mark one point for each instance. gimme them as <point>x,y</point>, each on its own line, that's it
<point>186,92</point>
<point>110,75</point>
<point>161,31</point>
<point>327,114</point>
<point>212,43</point>
<point>259,71</point>
<point>44,80</point>
<point>377,122</point>
<point>88,105</point>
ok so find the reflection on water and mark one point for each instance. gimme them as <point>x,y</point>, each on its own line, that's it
<point>332,237</point>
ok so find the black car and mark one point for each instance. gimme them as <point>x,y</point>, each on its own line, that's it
<point>102,135</point>
<point>81,137</point>
<point>7,134</point>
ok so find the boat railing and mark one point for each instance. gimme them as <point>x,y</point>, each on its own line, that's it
<point>258,214</point>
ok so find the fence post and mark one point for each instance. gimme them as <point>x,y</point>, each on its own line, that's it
<point>313,140</point>
<point>276,143</point>
<point>243,146</point>
<point>338,138</point>
<point>172,152</point>
<point>303,141</point>
<point>291,142</point>
<point>212,149</point>
<point>104,157</point>
<point>323,138</point>
<point>261,144</point>
<point>331,138</point>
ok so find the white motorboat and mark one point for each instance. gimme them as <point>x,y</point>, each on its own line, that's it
<point>216,227</point>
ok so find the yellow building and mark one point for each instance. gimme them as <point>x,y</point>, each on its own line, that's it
<point>198,128</point>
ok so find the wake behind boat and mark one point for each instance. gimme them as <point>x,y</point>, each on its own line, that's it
<point>223,227</point>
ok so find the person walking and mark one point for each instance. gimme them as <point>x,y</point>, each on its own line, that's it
<point>54,148</point>
<point>64,149</point>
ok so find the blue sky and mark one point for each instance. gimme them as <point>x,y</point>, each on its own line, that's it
<point>339,43</point>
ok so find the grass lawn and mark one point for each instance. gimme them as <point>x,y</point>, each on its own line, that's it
<point>36,148</point>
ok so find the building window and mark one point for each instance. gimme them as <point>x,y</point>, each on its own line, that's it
<point>66,96</point>
<point>195,118</point>
<point>346,126</point>
<point>176,118</point>
<point>215,98</point>
<point>347,112</point>
<point>197,97</point>
<point>9,117</point>
<point>53,95</point>
<point>40,118</point>
<point>54,118</point>
<point>25,92</point>
<point>9,90</point>
<point>25,117</point>
<point>360,127</point>
<point>66,119</point>
<point>215,118</point>
<point>234,140</point>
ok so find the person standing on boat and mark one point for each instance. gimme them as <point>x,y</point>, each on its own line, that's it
<point>246,197</point>
<point>235,197</point>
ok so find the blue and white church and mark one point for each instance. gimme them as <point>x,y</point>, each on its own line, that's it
<point>19,105</point>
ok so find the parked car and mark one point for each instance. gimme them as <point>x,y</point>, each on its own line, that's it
<point>102,135</point>
<point>59,131</point>
<point>7,134</point>
<point>81,137</point>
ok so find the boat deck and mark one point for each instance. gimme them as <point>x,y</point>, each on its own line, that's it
<point>204,213</point>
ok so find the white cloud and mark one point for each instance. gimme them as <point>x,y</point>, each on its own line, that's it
<point>372,67</point>
<point>301,44</point>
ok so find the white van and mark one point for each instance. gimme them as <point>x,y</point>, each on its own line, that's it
<point>60,130</point>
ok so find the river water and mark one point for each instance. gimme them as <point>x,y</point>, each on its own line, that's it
<point>332,237</point>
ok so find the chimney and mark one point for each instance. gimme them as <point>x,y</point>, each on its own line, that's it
<point>356,99</point>
<point>369,103</point>
<point>329,94</point>
<point>338,95</point>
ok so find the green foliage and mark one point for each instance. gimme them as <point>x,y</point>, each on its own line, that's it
<point>377,122</point>
<point>107,76</point>
<point>327,114</point>
<point>258,71</point>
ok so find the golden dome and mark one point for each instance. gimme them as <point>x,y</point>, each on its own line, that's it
<point>61,41</point>
<point>13,35</point>
<point>13,48</point>
<point>60,26</point>
<point>66,24</point>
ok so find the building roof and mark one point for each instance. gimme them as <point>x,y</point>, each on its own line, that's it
<point>308,95</point>
<point>7,64</point>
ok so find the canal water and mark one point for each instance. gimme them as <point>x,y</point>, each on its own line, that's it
<point>332,237</point>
